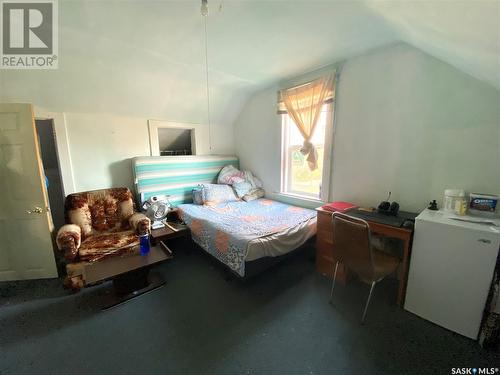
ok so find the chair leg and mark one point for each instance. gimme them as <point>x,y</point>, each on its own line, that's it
<point>368,302</point>
<point>333,282</point>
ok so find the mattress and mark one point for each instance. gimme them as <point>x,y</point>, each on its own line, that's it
<point>282,242</point>
<point>237,232</point>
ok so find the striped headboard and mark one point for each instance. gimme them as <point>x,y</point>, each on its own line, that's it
<point>176,175</point>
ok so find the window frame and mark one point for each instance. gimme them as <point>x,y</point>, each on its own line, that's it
<point>154,144</point>
<point>285,186</point>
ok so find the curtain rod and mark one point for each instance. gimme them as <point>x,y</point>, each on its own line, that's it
<point>336,75</point>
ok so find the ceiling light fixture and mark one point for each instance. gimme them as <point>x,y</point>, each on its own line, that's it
<point>204,13</point>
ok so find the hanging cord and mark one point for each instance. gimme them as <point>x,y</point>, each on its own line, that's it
<point>207,85</point>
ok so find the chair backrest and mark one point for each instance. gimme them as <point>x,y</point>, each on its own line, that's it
<point>97,211</point>
<point>352,244</point>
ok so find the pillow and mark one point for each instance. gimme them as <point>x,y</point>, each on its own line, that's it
<point>214,194</point>
<point>254,194</point>
<point>230,175</point>
<point>258,183</point>
<point>242,188</point>
<point>250,178</point>
<point>197,195</point>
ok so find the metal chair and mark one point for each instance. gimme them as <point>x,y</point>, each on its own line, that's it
<point>353,248</point>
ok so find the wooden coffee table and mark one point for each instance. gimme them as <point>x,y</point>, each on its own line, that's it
<point>131,274</point>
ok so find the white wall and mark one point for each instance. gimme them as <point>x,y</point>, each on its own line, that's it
<point>101,147</point>
<point>113,77</point>
<point>405,122</point>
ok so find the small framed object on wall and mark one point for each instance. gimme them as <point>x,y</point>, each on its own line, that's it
<point>173,138</point>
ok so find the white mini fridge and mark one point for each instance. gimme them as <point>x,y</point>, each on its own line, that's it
<point>451,270</point>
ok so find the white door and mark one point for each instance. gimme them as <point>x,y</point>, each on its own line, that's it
<point>26,250</point>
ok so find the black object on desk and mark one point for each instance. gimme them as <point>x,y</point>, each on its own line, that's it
<point>433,205</point>
<point>403,219</point>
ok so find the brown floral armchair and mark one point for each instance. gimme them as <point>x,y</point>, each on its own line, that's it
<point>101,224</point>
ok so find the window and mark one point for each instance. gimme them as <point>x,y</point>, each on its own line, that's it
<point>174,138</point>
<point>296,177</point>
<point>173,141</point>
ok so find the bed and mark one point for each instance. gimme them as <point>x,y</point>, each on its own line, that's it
<point>241,233</point>
<point>247,237</point>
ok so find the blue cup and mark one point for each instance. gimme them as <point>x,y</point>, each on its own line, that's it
<point>144,242</point>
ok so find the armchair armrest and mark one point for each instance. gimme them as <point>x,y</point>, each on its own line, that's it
<point>68,239</point>
<point>140,223</point>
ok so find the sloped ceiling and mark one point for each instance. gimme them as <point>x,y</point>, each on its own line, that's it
<point>146,58</point>
<point>465,34</point>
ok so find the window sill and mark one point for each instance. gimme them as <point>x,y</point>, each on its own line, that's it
<point>306,201</point>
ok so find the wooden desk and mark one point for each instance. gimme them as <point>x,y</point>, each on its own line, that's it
<point>325,250</point>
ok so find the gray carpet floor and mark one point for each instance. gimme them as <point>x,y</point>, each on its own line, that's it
<point>201,322</point>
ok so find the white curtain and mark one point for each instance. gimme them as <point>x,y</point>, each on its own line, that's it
<point>304,104</point>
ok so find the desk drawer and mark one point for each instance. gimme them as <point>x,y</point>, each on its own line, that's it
<point>326,267</point>
<point>324,222</point>
<point>324,248</point>
<point>325,236</point>
<point>325,261</point>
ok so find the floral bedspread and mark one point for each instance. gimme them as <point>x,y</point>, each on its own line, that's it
<point>224,230</point>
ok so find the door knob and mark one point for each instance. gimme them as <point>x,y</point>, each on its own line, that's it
<point>36,210</point>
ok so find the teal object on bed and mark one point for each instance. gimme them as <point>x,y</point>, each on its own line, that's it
<point>176,175</point>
